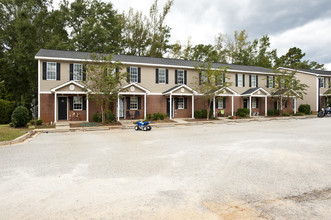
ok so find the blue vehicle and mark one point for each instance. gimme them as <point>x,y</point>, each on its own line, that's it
<point>144,126</point>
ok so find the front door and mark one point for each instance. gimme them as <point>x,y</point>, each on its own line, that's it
<point>245,103</point>
<point>62,108</point>
<point>121,108</point>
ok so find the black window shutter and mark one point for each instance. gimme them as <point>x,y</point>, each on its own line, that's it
<point>84,103</point>
<point>199,78</point>
<point>236,80</point>
<point>139,102</point>
<point>71,71</point>
<point>71,103</point>
<point>128,76</point>
<point>167,76</point>
<point>257,102</point>
<point>224,103</point>
<point>58,71</point>
<point>116,70</point>
<point>44,70</point>
<point>156,75</point>
<point>175,76</point>
<point>127,103</point>
<point>185,103</point>
<point>243,80</point>
<point>84,73</point>
<point>139,75</point>
<point>176,103</point>
<point>273,82</point>
<point>223,78</point>
<point>257,80</point>
<point>250,80</point>
<point>185,77</point>
<point>268,81</point>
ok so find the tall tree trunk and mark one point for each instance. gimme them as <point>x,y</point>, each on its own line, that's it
<point>102,113</point>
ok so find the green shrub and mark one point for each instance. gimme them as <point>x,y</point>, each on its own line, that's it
<point>299,114</point>
<point>159,116</point>
<point>39,121</point>
<point>6,110</point>
<point>285,114</point>
<point>97,117</point>
<point>197,114</point>
<point>155,116</point>
<point>242,112</point>
<point>305,109</point>
<point>204,113</point>
<point>148,117</point>
<point>162,116</point>
<point>230,117</point>
<point>273,112</point>
<point>33,122</point>
<point>20,116</point>
<point>110,117</point>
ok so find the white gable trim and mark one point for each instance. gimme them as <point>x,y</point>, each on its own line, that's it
<point>259,89</point>
<point>226,88</point>
<point>179,87</point>
<point>136,85</point>
<point>68,83</point>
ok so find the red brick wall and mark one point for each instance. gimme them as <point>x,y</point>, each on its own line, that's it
<point>156,103</point>
<point>47,107</point>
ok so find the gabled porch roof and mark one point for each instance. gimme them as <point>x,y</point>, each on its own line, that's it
<point>256,92</point>
<point>180,90</point>
<point>225,91</point>
<point>71,88</point>
<point>134,88</point>
<point>286,92</point>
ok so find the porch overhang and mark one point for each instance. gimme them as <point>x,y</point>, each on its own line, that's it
<point>70,88</point>
<point>327,93</point>
<point>286,92</point>
<point>256,92</point>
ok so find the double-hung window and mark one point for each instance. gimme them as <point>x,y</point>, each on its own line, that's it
<point>51,71</point>
<point>220,103</point>
<point>77,72</point>
<point>180,103</point>
<point>133,103</point>
<point>162,76</point>
<point>270,81</point>
<point>329,82</point>
<point>253,81</point>
<point>253,102</point>
<point>180,76</point>
<point>322,82</point>
<point>133,74</point>
<point>78,103</point>
<point>240,80</point>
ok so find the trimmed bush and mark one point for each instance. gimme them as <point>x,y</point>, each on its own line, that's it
<point>33,122</point>
<point>110,117</point>
<point>6,110</point>
<point>299,114</point>
<point>97,117</point>
<point>242,112</point>
<point>20,116</point>
<point>286,114</point>
<point>273,112</point>
<point>159,116</point>
<point>305,109</point>
<point>204,113</point>
<point>148,117</point>
<point>197,114</point>
<point>39,121</point>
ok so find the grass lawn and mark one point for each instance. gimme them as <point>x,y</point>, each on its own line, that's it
<point>8,133</point>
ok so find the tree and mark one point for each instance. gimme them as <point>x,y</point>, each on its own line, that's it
<point>105,80</point>
<point>286,87</point>
<point>293,59</point>
<point>210,81</point>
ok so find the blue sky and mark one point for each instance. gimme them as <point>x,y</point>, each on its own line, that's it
<point>289,23</point>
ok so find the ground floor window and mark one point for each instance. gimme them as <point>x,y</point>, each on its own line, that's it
<point>78,102</point>
<point>220,103</point>
<point>254,105</point>
<point>133,103</point>
<point>180,103</point>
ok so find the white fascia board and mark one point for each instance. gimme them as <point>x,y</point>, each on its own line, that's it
<point>45,92</point>
<point>131,93</point>
<point>300,71</point>
<point>71,93</point>
<point>138,86</point>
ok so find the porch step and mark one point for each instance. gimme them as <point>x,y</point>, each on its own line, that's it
<point>62,125</point>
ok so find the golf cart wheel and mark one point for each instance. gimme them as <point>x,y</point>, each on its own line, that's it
<point>136,128</point>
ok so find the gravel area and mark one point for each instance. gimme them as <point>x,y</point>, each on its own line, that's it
<point>255,170</point>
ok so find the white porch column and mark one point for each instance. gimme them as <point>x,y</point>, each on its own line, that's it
<point>87,108</point>
<point>170,106</point>
<point>281,103</point>
<point>39,72</point>
<point>265,106</point>
<point>193,106</point>
<point>232,113</point>
<point>214,106</point>
<point>118,108</point>
<point>55,107</point>
<point>295,106</point>
<point>250,106</point>
<point>145,106</point>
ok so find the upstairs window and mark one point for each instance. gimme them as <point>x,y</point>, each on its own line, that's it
<point>162,76</point>
<point>253,81</point>
<point>78,103</point>
<point>77,72</point>
<point>270,81</point>
<point>180,76</point>
<point>133,74</point>
<point>322,82</point>
<point>240,80</point>
<point>51,71</point>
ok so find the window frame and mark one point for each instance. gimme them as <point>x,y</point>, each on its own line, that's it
<point>255,84</point>
<point>164,77</point>
<point>75,103</point>
<point>47,70</point>
<point>180,102</point>
<point>270,82</point>
<point>133,103</point>
<point>134,73</point>
<point>220,103</point>
<point>77,76</point>
<point>182,73</point>
<point>240,77</point>
<point>253,104</point>
<point>322,82</point>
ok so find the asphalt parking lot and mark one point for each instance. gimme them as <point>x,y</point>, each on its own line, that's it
<point>255,170</point>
